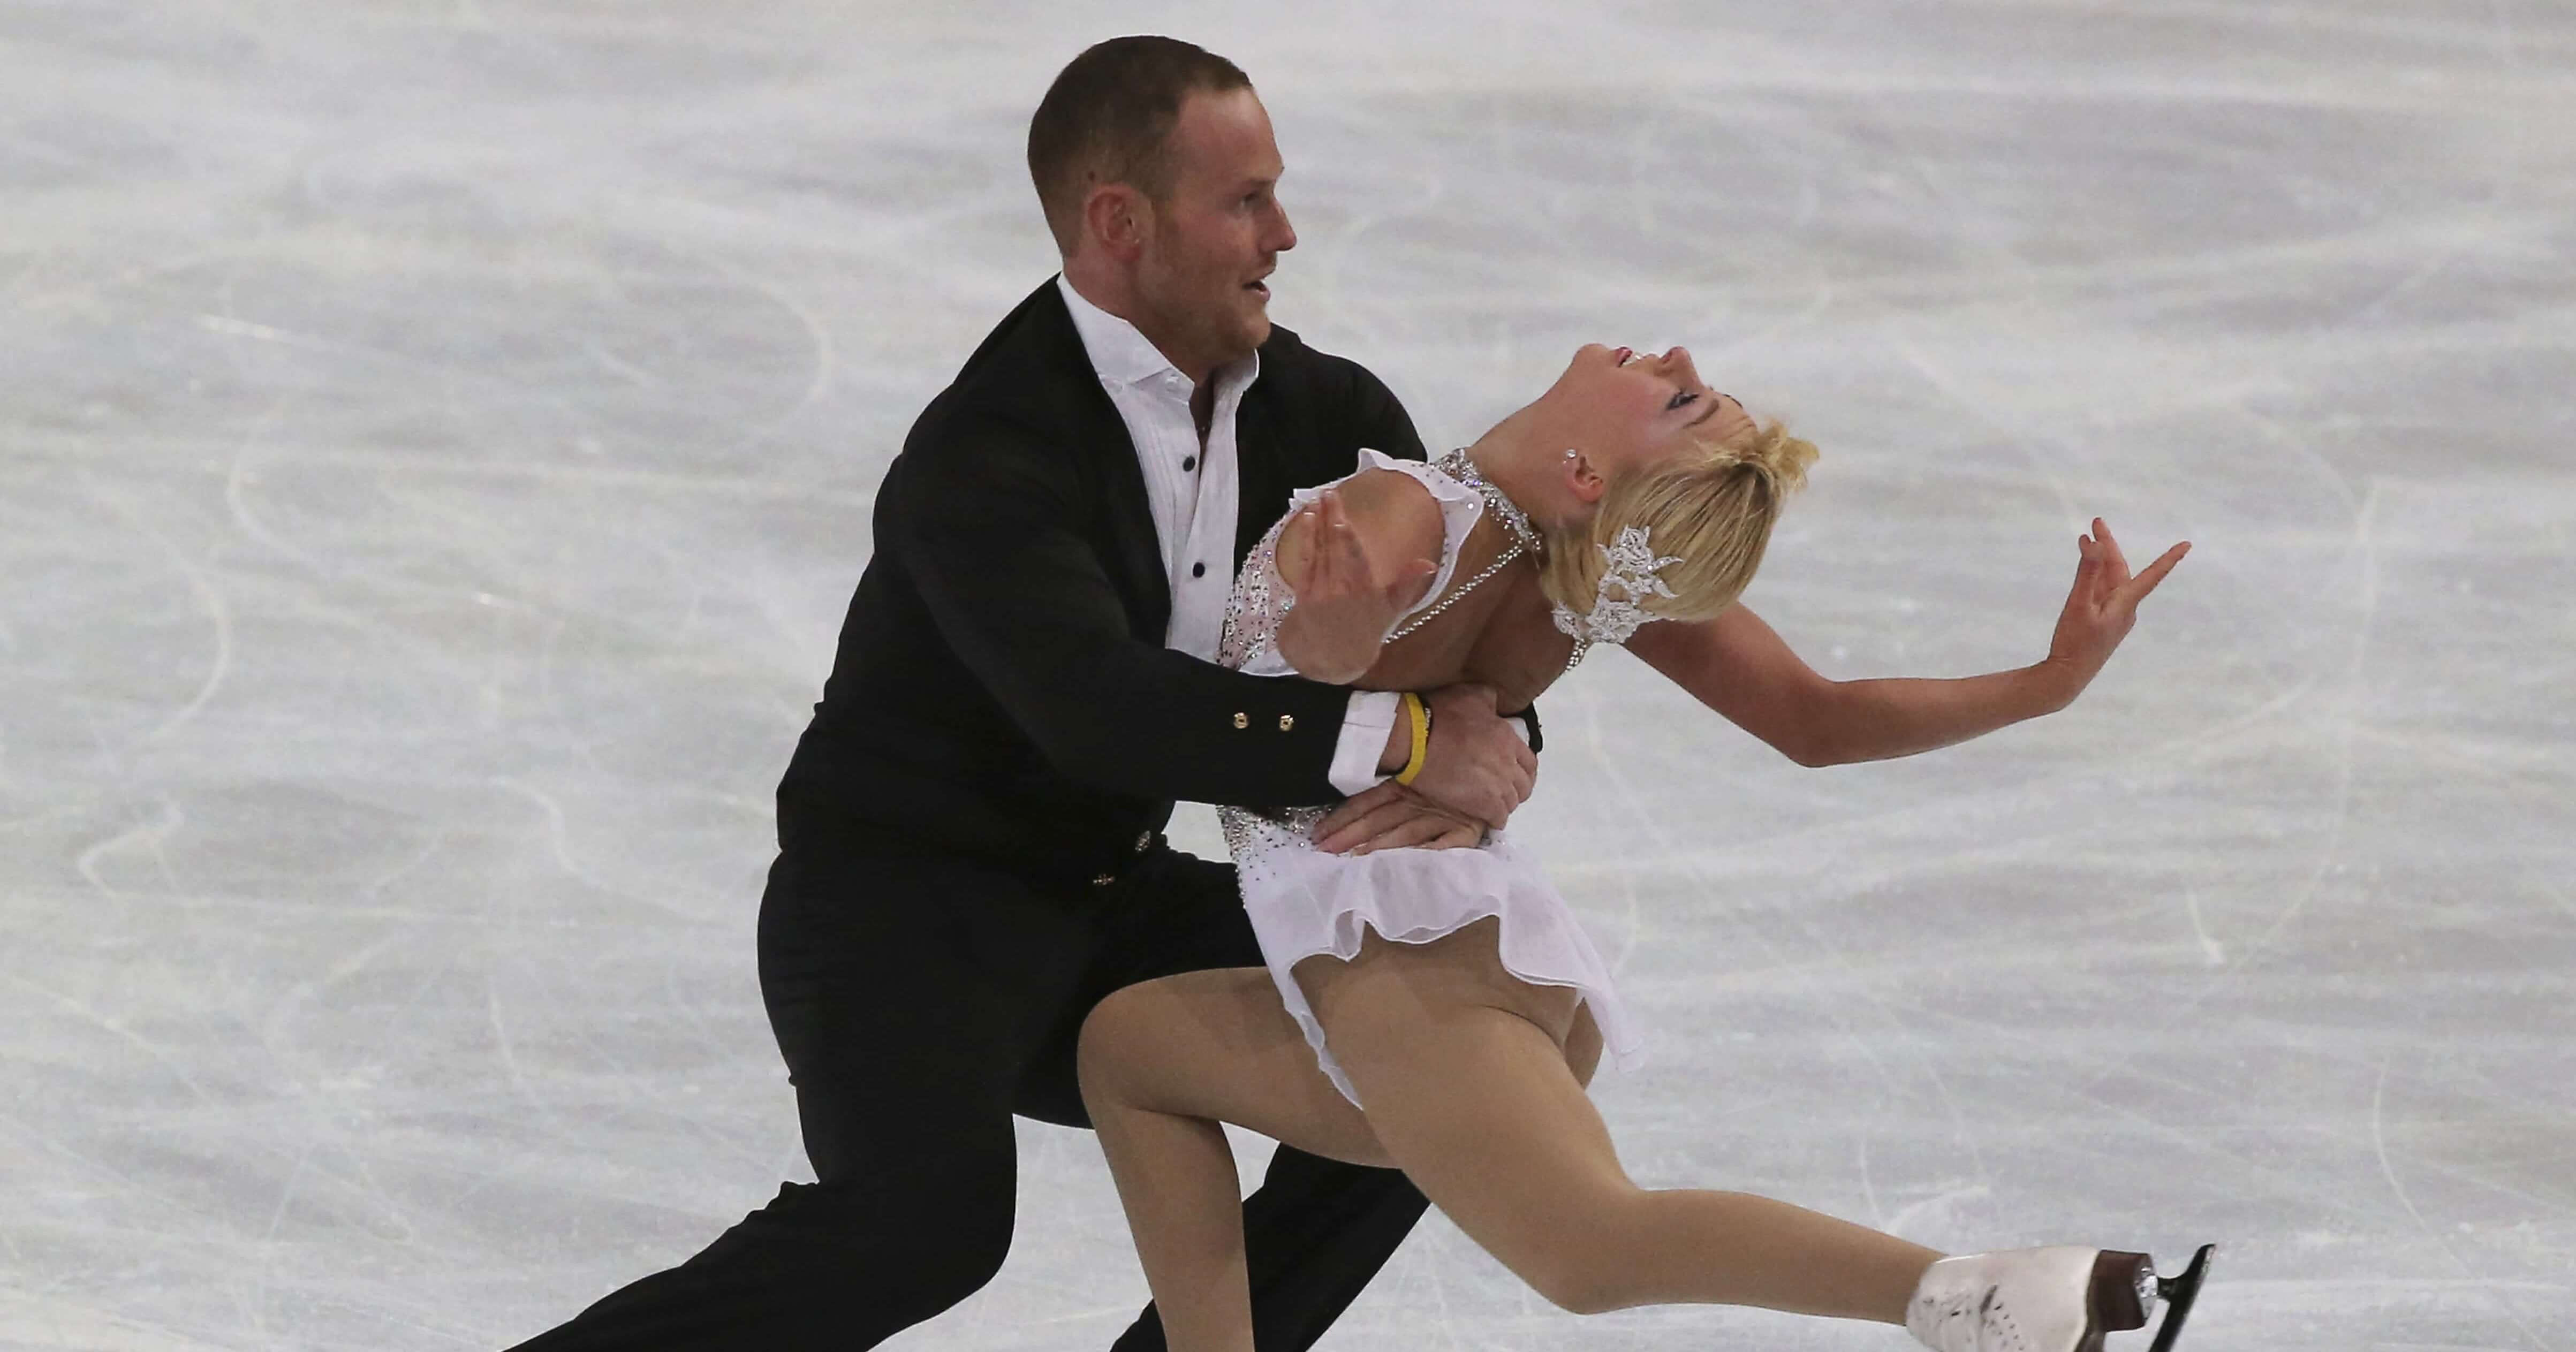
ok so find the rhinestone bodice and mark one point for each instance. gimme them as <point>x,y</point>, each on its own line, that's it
<point>1261,599</point>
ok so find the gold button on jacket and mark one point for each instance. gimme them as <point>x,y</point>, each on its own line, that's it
<point>1287,721</point>
<point>1243,720</point>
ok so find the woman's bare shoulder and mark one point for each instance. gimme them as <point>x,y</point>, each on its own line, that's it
<point>1395,516</point>
<point>1394,506</point>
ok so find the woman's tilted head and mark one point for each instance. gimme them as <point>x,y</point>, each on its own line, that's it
<point>1649,446</point>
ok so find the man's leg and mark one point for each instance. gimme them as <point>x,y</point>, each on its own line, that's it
<point>907,996</point>
<point>1316,1230</point>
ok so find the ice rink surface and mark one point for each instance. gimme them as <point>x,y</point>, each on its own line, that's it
<point>436,446</point>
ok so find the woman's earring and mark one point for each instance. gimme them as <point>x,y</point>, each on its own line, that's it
<point>1574,455</point>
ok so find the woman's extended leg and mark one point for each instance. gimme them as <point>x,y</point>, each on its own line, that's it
<point>1161,1064</point>
<point>1468,1076</point>
<point>1474,1081</point>
<point>1461,1066</point>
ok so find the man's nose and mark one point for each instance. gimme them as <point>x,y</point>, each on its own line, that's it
<point>1283,236</point>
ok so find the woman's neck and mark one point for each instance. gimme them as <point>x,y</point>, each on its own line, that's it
<point>1516,458</point>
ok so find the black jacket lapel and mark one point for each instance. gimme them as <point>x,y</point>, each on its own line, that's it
<point>1261,482</point>
<point>1065,402</point>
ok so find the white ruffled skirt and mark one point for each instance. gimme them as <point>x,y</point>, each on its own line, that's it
<point>1304,902</point>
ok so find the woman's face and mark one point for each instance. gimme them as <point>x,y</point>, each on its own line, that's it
<point>1625,410</point>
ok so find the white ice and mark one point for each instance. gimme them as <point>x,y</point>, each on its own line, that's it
<point>436,444</point>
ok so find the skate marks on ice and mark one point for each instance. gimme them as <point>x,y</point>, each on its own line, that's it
<point>437,446</point>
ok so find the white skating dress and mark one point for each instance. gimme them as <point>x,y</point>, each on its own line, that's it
<point>1304,902</point>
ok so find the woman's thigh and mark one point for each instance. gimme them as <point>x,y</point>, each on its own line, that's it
<point>1218,1044</point>
<point>1461,970</point>
<point>1474,1082</point>
<point>1583,1047</point>
<point>1174,914</point>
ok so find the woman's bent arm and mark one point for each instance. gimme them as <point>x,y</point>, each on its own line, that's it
<point>1355,559</point>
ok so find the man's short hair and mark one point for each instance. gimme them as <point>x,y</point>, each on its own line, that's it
<point>1108,119</point>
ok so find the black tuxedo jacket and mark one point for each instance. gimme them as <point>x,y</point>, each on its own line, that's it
<point>1002,689</point>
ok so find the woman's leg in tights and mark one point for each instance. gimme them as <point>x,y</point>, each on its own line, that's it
<point>1162,1063</point>
<point>1466,1074</point>
<point>1468,1092</point>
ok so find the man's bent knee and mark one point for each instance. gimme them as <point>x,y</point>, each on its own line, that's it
<point>926,1249</point>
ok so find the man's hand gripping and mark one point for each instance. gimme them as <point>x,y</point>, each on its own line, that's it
<point>1475,774</point>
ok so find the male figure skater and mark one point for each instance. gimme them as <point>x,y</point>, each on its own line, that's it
<point>970,854</point>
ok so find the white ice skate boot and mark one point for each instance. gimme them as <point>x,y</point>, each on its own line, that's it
<point>2047,1300</point>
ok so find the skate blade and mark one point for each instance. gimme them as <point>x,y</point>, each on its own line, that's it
<point>2178,1293</point>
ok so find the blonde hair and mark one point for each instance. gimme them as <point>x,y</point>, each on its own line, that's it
<point>1712,504</point>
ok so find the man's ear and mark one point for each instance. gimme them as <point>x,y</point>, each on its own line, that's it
<point>1113,214</point>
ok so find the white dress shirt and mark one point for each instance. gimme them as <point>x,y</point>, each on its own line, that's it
<point>1195,492</point>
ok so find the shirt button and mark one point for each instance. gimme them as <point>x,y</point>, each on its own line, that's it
<point>1188,463</point>
<point>1243,720</point>
<point>1287,721</point>
<point>1198,570</point>
<point>1103,879</point>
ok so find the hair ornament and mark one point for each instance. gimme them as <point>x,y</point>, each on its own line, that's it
<point>1632,567</point>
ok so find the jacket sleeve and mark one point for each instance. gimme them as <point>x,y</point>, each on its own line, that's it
<point>1377,418</point>
<point>987,522</point>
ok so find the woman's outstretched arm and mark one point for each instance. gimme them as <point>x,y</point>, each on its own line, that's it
<point>1736,665</point>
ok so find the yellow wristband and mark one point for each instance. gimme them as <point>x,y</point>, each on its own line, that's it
<point>1421,718</point>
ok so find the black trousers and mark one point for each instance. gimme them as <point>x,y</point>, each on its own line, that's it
<point>920,1003</point>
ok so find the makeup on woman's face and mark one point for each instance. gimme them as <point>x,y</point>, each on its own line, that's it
<point>1640,403</point>
<point>1689,391</point>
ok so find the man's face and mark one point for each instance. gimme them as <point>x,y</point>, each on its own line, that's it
<point>1217,235</point>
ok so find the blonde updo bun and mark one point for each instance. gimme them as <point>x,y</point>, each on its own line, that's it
<point>1712,504</point>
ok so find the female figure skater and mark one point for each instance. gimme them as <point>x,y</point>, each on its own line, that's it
<point>1439,1010</point>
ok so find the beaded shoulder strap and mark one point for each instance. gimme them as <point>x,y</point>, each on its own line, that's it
<point>1525,538</point>
<point>1609,621</point>
<point>1457,466</point>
